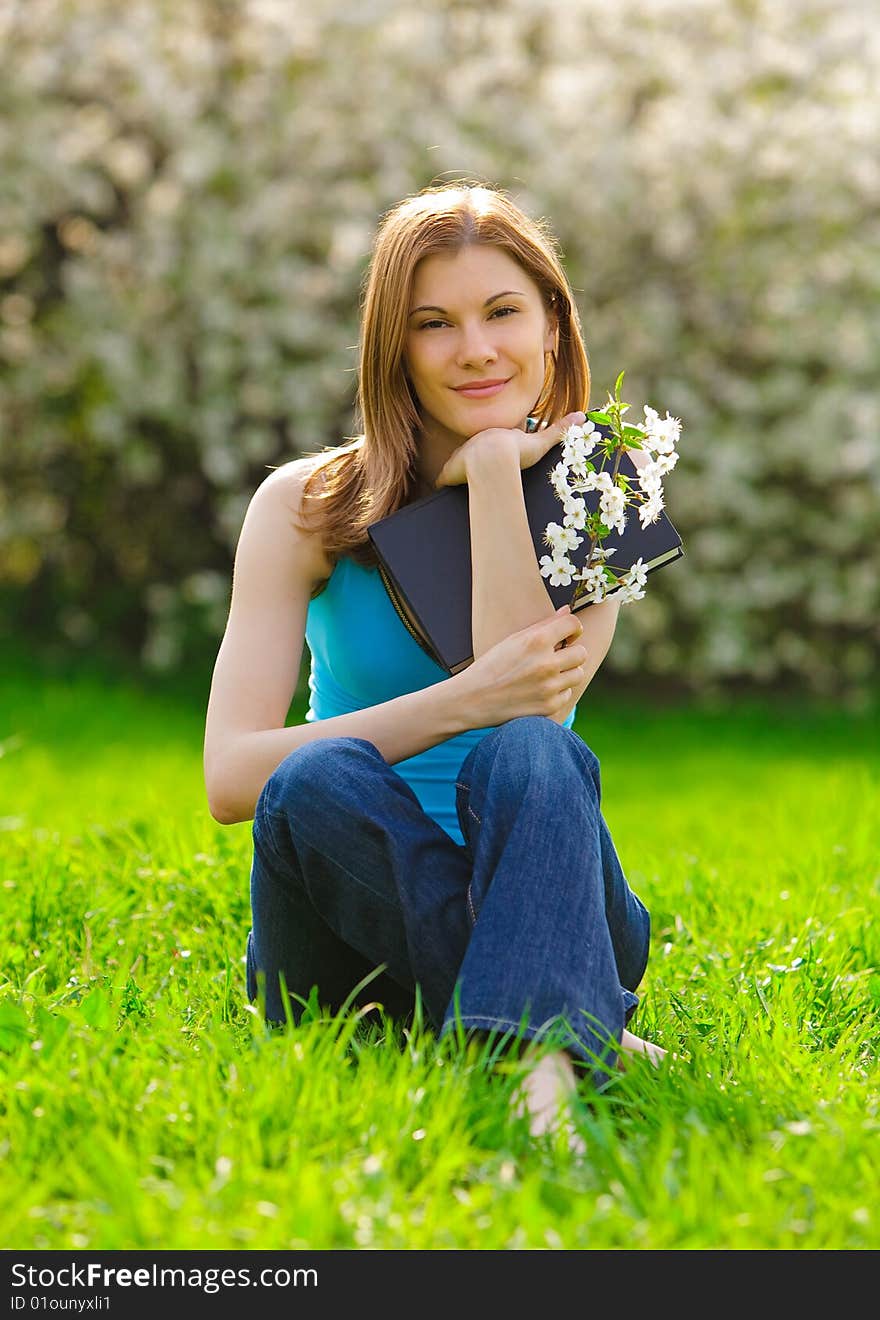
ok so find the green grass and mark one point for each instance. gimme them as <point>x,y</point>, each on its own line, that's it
<point>144,1105</point>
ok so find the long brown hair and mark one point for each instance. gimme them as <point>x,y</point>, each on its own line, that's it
<point>353,485</point>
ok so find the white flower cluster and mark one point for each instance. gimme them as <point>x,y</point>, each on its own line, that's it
<point>577,474</point>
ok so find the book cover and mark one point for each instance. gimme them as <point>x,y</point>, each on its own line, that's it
<point>424,555</point>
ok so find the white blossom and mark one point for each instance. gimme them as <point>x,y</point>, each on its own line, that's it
<point>612,505</point>
<point>575,512</point>
<point>580,431</point>
<point>577,448</point>
<point>650,511</point>
<point>593,481</point>
<point>661,434</point>
<point>572,477</point>
<point>665,462</point>
<point>594,580</point>
<point>638,574</point>
<point>561,539</point>
<point>558,480</point>
<point>649,479</point>
<point>628,592</point>
<point>559,570</point>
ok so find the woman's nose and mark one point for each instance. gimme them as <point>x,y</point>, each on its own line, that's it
<point>476,345</point>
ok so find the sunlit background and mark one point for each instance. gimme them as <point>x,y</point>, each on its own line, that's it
<point>188,192</point>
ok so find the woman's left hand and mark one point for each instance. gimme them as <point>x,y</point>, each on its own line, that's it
<point>530,445</point>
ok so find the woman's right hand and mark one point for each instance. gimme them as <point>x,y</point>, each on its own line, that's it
<point>536,671</point>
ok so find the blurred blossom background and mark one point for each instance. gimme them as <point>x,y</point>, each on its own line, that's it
<point>188,193</point>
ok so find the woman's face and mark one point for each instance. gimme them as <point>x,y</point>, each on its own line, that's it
<point>476,317</point>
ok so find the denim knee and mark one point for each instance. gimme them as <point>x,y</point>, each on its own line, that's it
<point>311,773</point>
<point>539,746</point>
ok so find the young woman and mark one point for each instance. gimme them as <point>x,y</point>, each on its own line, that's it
<point>446,828</point>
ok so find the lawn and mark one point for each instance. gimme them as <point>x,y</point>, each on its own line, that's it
<point>145,1104</point>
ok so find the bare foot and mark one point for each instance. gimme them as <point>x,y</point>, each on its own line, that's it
<point>634,1045</point>
<point>545,1096</point>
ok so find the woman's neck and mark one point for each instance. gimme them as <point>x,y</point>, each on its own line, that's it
<point>433,447</point>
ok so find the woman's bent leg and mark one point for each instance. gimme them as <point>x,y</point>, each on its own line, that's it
<point>558,939</point>
<point>336,831</point>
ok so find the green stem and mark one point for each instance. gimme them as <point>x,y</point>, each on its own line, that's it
<point>581,589</point>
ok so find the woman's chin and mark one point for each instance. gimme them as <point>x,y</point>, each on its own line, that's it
<point>469,422</point>
<point>497,419</point>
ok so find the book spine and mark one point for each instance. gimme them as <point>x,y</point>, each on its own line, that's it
<point>403,615</point>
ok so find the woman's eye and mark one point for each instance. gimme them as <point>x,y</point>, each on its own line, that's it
<point>496,311</point>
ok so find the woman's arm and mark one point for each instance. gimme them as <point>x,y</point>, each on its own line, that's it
<point>508,590</point>
<point>258,663</point>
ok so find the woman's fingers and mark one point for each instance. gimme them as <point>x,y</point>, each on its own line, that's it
<point>571,419</point>
<point>575,658</point>
<point>566,626</point>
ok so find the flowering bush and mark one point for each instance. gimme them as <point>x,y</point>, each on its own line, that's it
<point>576,474</point>
<point>189,193</point>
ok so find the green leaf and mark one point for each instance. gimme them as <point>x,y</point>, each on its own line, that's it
<point>50,1028</point>
<point>312,1011</point>
<point>600,416</point>
<point>635,434</point>
<point>96,1008</point>
<point>14,1026</point>
<point>617,385</point>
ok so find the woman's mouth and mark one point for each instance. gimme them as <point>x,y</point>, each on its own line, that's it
<point>480,389</point>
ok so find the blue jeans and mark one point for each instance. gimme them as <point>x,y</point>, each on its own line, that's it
<point>528,930</point>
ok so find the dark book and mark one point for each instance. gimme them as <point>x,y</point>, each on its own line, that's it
<point>424,554</point>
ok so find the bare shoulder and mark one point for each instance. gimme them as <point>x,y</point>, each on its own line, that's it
<point>276,508</point>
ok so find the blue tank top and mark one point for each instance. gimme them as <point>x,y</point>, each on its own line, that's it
<point>361,655</point>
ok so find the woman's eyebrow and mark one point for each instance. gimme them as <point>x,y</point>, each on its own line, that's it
<point>430,307</point>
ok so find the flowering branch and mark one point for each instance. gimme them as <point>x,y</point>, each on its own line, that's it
<point>586,456</point>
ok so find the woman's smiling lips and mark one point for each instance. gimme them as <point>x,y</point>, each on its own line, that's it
<point>480,389</point>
